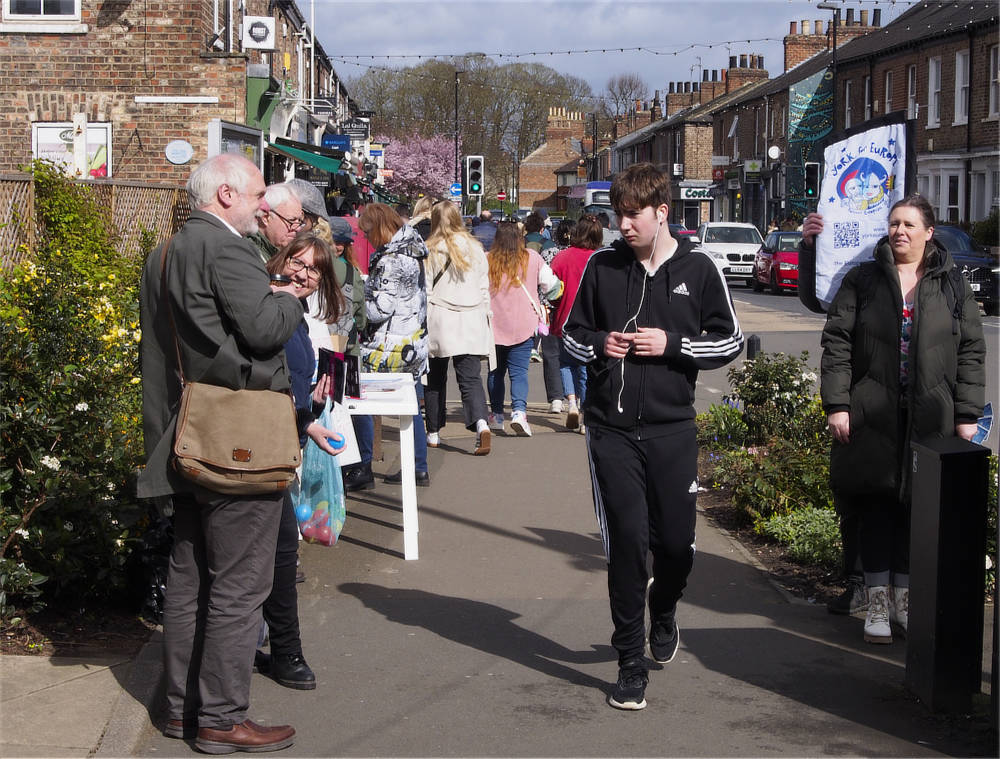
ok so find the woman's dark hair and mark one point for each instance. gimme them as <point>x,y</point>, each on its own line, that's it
<point>564,230</point>
<point>331,301</point>
<point>915,200</point>
<point>588,233</point>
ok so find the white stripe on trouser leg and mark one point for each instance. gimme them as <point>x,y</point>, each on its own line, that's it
<point>602,520</point>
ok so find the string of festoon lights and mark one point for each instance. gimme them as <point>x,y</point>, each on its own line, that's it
<point>469,76</point>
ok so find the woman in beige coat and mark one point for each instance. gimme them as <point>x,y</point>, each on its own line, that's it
<point>458,323</point>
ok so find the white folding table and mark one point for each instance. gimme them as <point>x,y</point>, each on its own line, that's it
<point>394,395</point>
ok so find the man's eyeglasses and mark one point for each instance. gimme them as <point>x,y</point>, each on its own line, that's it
<point>297,264</point>
<point>292,224</point>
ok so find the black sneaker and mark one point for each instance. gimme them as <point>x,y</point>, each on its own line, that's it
<point>663,641</point>
<point>292,671</point>
<point>630,690</point>
<point>852,600</point>
<point>359,477</point>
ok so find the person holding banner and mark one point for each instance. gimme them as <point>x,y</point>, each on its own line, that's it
<point>903,360</point>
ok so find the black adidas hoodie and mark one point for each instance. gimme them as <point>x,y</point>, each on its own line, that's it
<point>687,298</point>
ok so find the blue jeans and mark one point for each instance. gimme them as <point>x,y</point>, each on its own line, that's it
<point>574,375</point>
<point>513,360</point>
<point>419,434</point>
<point>364,431</point>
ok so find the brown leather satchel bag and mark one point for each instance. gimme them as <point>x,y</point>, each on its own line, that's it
<point>238,442</point>
<point>241,442</point>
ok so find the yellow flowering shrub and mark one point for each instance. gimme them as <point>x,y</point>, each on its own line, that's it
<point>70,405</point>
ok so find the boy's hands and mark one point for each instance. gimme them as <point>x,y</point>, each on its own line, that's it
<point>648,341</point>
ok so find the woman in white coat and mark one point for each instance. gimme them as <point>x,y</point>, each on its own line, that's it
<point>458,323</point>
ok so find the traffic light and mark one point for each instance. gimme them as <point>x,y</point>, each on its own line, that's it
<point>812,181</point>
<point>474,175</point>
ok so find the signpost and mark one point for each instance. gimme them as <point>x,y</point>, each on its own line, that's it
<point>456,189</point>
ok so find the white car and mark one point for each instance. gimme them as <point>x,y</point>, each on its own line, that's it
<point>732,245</point>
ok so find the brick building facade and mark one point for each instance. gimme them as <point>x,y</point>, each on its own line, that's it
<point>144,76</point>
<point>537,182</point>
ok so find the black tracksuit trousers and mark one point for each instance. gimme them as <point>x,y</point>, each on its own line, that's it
<point>644,496</point>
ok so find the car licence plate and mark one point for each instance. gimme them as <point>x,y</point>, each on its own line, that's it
<point>741,269</point>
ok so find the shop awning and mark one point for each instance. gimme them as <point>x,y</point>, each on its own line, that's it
<point>314,158</point>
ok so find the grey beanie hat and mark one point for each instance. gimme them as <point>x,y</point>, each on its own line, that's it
<point>309,196</point>
<point>341,229</point>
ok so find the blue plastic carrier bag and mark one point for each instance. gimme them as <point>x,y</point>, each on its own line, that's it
<point>319,502</point>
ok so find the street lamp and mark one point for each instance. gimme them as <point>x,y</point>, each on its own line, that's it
<point>457,72</point>
<point>835,7</point>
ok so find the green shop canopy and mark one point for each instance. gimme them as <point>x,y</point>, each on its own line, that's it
<point>324,160</point>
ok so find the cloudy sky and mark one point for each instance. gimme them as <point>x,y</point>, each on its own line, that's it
<point>677,37</point>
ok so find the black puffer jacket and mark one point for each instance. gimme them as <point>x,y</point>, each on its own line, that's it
<point>860,370</point>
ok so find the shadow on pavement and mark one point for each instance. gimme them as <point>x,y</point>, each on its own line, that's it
<point>482,626</point>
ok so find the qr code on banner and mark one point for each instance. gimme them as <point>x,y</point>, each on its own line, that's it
<point>846,234</point>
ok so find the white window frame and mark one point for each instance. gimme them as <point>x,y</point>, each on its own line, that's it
<point>41,23</point>
<point>933,92</point>
<point>912,106</point>
<point>961,87</point>
<point>847,103</point>
<point>994,84</point>
<point>868,98</point>
<point>887,104</point>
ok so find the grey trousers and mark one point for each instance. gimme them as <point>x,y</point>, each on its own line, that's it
<point>221,568</point>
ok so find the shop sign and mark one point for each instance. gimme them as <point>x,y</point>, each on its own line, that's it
<point>356,128</point>
<point>696,193</point>
<point>751,170</point>
<point>718,175</point>
<point>54,142</point>
<point>720,160</point>
<point>337,141</point>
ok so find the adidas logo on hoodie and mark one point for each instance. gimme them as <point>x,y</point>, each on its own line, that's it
<point>681,289</point>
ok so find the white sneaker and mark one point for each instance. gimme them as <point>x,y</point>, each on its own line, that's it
<point>496,422</point>
<point>556,406</point>
<point>900,609</point>
<point>877,629</point>
<point>572,417</point>
<point>519,423</point>
<point>433,439</point>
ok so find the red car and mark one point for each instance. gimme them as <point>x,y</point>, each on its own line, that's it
<point>777,262</point>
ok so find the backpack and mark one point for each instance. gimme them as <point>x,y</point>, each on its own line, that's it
<point>952,286</point>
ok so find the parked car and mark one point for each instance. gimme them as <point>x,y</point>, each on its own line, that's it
<point>732,245</point>
<point>680,231</point>
<point>978,265</point>
<point>777,262</point>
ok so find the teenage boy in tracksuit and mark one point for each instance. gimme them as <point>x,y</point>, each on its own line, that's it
<point>650,312</point>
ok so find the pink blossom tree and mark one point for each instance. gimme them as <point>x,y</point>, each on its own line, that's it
<point>419,165</point>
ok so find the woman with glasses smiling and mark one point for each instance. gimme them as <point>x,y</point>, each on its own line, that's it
<point>308,262</point>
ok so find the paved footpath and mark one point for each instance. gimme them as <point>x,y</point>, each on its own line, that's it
<point>495,642</point>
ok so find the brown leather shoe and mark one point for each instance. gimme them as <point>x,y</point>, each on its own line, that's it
<point>247,736</point>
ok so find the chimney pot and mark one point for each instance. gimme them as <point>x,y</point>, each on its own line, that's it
<point>732,61</point>
<point>704,75</point>
<point>743,60</point>
<point>850,17</point>
<point>696,87</point>
<point>864,18</point>
<point>760,61</point>
<point>877,17</point>
<point>793,27</point>
<point>806,26</point>
<point>715,75</point>
<point>818,26</point>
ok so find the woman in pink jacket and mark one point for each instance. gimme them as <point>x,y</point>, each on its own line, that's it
<point>517,274</point>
